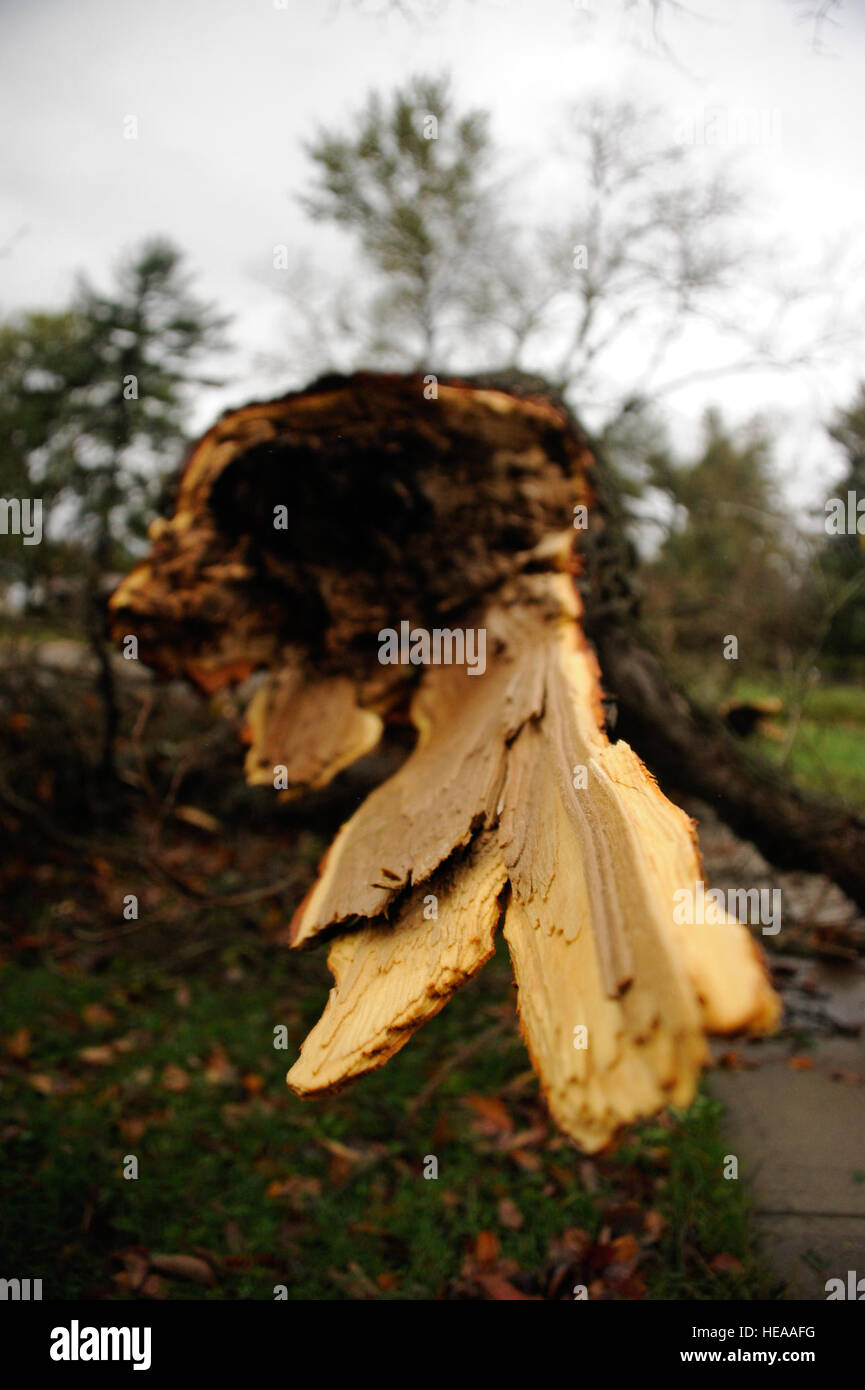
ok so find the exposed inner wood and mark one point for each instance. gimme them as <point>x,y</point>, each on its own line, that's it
<point>390,978</point>
<point>513,805</point>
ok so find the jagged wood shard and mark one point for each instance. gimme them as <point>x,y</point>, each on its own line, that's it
<point>447,514</point>
<point>391,977</point>
<point>308,728</point>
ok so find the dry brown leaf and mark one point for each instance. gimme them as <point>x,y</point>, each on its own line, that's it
<point>136,1265</point>
<point>509,1214</point>
<point>97,1016</point>
<point>132,1128</point>
<point>43,1083</point>
<point>18,1044</point>
<point>654,1226</point>
<point>184,1267</point>
<point>218,1070</point>
<point>174,1078</point>
<point>625,1250</point>
<point>202,820</point>
<point>526,1159</point>
<point>297,1190</point>
<point>492,1112</point>
<point>572,1245</point>
<point>486,1247</point>
<point>731,1060</point>
<point>101,1055</point>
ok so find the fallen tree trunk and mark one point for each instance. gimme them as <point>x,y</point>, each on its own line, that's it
<point>380,554</point>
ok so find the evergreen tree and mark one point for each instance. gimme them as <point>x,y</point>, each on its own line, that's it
<point>724,565</point>
<point>842,557</point>
<point>94,410</point>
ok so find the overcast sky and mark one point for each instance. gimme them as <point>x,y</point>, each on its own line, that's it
<point>224,92</point>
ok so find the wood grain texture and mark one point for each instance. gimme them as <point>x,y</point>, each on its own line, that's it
<point>390,977</point>
<point>591,929</point>
<point>308,727</point>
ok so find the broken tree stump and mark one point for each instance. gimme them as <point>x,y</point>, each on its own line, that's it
<point>379,553</point>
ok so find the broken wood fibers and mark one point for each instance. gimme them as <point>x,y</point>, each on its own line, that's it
<point>453,512</point>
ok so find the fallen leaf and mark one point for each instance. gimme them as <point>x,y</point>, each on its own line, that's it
<point>800,1063</point>
<point>218,1070</point>
<point>525,1138</point>
<point>625,1249</point>
<point>486,1247</point>
<point>356,1283</point>
<point>726,1264</point>
<point>297,1189</point>
<point>42,1083</point>
<point>253,1084</point>
<point>97,1015</point>
<point>99,1056</point>
<point>731,1061</point>
<point>632,1286</point>
<point>174,1078</point>
<point>654,1226</point>
<point>338,1170</point>
<point>133,1128</point>
<point>202,820</point>
<point>509,1214</point>
<point>184,1267</point>
<point>526,1159</point>
<point>492,1112</point>
<point>18,1044</point>
<point>571,1246</point>
<point>136,1265</point>
<point>387,1281</point>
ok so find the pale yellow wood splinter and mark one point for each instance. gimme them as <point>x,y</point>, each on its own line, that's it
<point>392,977</point>
<point>615,997</point>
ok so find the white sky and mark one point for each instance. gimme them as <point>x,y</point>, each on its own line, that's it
<point>225,91</point>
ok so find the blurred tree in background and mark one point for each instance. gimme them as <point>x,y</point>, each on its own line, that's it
<point>619,269</point>
<point>93,406</point>
<point>841,562</point>
<point>728,561</point>
<point>411,180</point>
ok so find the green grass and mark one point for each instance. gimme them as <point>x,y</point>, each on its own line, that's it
<point>326,1197</point>
<point>828,749</point>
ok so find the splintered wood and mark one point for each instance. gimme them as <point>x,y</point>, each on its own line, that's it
<point>513,807</point>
